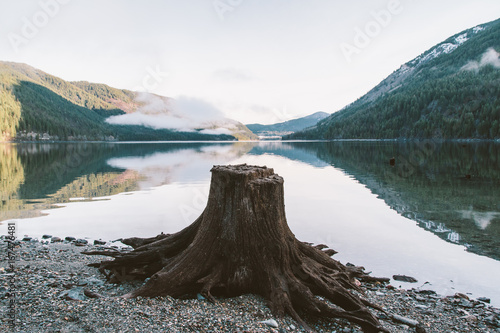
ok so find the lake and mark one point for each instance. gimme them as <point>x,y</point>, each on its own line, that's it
<point>433,215</point>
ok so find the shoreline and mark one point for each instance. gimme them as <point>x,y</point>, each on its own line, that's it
<point>55,290</point>
<point>438,140</point>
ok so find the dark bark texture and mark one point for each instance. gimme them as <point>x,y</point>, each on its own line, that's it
<point>241,244</point>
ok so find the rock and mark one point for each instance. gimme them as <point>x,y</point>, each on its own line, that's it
<point>200,297</point>
<point>74,294</point>
<point>81,241</point>
<point>270,323</point>
<point>466,304</point>
<point>46,236</point>
<point>492,321</point>
<point>420,329</point>
<point>69,239</point>
<point>92,281</point>
<point>27,239</point>
<point>484,299</point>
<point>404,278</point>
<point>460,295</point>
<point>55,239</point>
<point>99,242</point>
<point>404,320</point>
<point>470,318</point>
<point>426,292</point>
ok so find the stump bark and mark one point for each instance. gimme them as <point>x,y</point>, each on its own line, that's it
<point>241,243</point>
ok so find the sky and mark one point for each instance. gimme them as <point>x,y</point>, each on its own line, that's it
<point>256,61</point>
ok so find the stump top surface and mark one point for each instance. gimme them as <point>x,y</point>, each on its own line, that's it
<point>248,172</point>
<point>243,169</point>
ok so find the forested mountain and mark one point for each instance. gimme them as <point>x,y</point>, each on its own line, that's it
<point>450,91</point>
<point>35,105</point>
<point>289,126</point>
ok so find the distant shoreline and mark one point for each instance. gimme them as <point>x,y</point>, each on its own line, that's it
<point>273,140</point>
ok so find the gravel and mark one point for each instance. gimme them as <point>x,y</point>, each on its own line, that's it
<point>57,292</point>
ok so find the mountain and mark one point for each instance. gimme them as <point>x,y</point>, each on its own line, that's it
<point>450,91</point>
<point>289,126</point>
<point>35,105</point>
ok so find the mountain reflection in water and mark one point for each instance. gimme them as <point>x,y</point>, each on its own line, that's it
<point>450,189</point>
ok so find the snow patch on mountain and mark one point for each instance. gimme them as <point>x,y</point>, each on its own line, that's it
<point>445,48</point>
<point>477,29</point>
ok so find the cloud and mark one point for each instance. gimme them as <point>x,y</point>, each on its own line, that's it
<point>182,114</point>
<point>490,57</point>
<point>216,131</point>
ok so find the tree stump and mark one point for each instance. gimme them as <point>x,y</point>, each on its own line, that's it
<point>241,243</point>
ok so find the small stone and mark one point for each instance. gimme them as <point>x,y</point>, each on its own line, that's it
<point>492,321</point>
<point>69,239</point>
<point>404,278</point>
<point>99,242</point>
<point>75,294</point>
<point>200,297</point>
<point>470,318</point>
<point>55,239</point>
<point>484,299</point>
<point>81,241</point>
<point>92,281</point>
<point>46,236</point>
<point>27,239</point>
<point>270,323</point>
<point>460,295</point>
<point>466,304</point>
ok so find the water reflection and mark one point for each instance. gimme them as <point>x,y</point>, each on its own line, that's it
<point>34,177</point>
<point>450,189</point>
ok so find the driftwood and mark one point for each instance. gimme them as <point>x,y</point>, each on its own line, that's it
<point>240,244</point>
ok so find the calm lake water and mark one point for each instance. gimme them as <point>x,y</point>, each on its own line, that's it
<point>434,215</point>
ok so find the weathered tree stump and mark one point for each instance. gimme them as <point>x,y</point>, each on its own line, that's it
<point>240,244</point>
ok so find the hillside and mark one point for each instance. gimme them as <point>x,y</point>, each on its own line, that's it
<point>289,126</point>
<point>450,91</point>
<point>35,105</point>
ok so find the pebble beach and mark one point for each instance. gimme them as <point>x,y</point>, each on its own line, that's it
<point>56,291</point>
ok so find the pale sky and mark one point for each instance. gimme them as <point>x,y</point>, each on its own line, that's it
<point>255,60</point>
